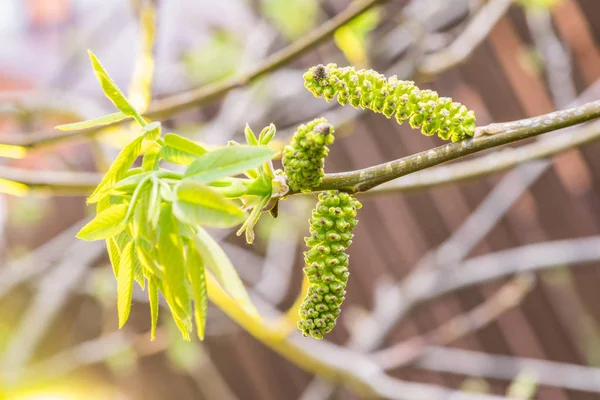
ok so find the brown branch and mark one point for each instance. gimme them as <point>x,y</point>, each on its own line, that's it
<point>488,164</point>
<point>486,137</point>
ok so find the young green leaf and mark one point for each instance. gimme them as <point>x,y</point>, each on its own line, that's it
<point>218,262</point>
<point>154,204</point>
<point>112,91</point>
<point>250,136</point>
<point>117,170</point>
<point>227,161</point>
<point>200,205</point>
<point>153,299</point>
<point>151,158</point>
<point>125,283</point>
<point>251,221</point>
<point>171,258</point>
<point>180,143</point>
<point>195,270</point>
<point>108,223</point>
<point>177,157</point>
<point>90,123</point>
<point>152,130</point>
<point>115,246</point>
<point>128,185</point>
<point>138,273</point>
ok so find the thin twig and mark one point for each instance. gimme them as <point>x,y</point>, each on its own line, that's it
<point>472,36</point>
<point>171,105</point>
<point>549,373</point>
<point>51,296</point>
<point>508,296</point>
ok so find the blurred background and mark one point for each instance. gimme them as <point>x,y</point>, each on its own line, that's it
<point>534,335</point>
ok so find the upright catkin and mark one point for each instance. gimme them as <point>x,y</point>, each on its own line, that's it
<point>304,158</point>
<point>326,262</point>
<point>371,90</point>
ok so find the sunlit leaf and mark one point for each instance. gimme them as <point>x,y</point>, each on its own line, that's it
<point>153,299</point>
<point>108,223</point>
<point>115,246</point>
<point>177,157</point>
<point>127,185</point>
<point>184,144</point>
<point>118,169</point>
<point>217,261</point>
<point>227,161</point>
<point>112,91</point>
<point>195,270</point>
<point>171,258</point>
<point>90,123</point>
<point>152,131</point>
<point>13,188</point>
<point>200,205</point>
<point>125,283</point>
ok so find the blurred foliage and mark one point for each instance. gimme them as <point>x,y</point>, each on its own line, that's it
<point>182,354</point>
<point>293,18</point>
<point>214,60</point>
<point>523,386</point>
<point>353,38</point>
<point>475,385</point>
<point>538,3</point>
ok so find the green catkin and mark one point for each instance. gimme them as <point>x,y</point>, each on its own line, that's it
<point>326,263</point>
<point>371,90</point>
<point>304,158</point>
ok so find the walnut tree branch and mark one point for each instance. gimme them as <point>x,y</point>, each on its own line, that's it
<point>486,137</point>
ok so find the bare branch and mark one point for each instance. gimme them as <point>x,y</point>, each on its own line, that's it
<point>491,163</point>
<point>549,373</point>
<point>176,103</point>
<point>508,296</point>
<point>487,137</point>
<point>472,36</point>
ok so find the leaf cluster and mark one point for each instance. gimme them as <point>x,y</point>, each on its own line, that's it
<point>153,219</point>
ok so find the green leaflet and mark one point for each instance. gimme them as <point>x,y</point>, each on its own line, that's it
<point>227,161</point>
<point>196,275</point>
<point>115,246</point>
<point>112,91</point>
<point>125,283</point>
<point>152,131</point>
<point>171,259</point>
<point>153,299</point>
<point>326,263</point>
<point>304,158</point>
<point>180,143</point>
<point>179,150</point>
<point>217,261</point>
<point>117,170</point>
<point>368,89</point>
<point>200,205</point>
<point>91,123</point>
<point>106,224</point>
<point>127,185</point>
<point>151,158</point>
